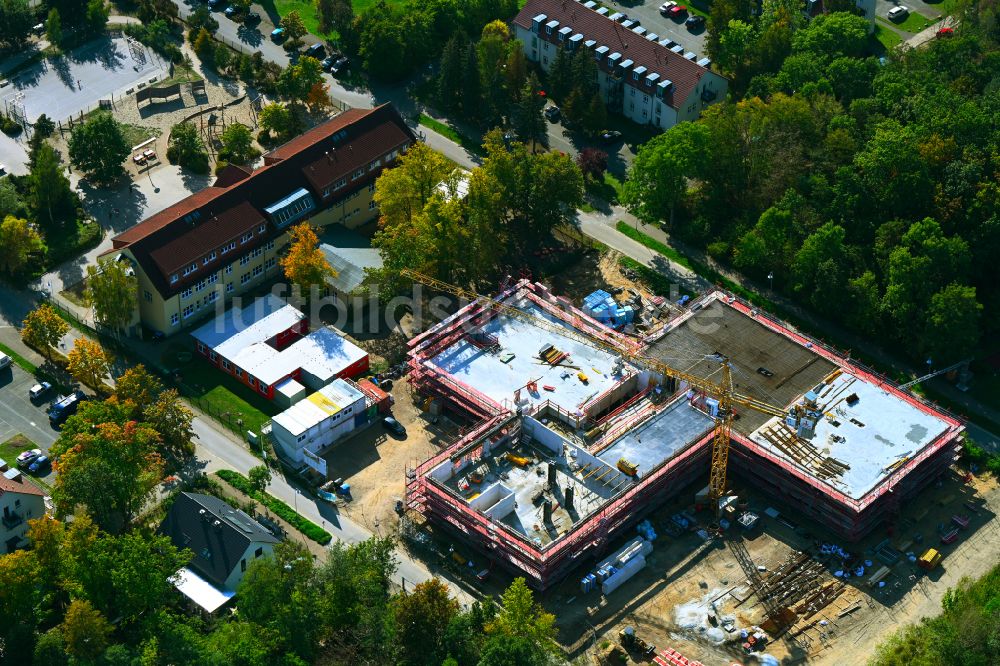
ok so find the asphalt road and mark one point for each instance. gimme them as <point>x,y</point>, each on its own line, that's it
<point>20,415</point>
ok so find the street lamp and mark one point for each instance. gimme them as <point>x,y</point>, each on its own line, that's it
<point>150,176</point>
<point>770,279</point>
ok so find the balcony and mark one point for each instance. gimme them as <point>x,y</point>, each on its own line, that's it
<point>11,519</point>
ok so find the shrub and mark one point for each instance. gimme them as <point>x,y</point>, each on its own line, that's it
<point>718,249</point>
<point>282,510</point>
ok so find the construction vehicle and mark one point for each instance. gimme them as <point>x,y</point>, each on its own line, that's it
<point>626,467</point>
<point>723,390</point>
<point>520,461</point>
<point>631,642</point>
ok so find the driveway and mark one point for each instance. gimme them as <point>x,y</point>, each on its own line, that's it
<point>20,415</point>
<point>648,13</point>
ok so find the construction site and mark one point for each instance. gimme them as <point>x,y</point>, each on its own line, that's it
<point>580,436</point>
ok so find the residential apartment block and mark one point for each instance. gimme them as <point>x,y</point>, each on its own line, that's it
<point>227,238</point>
<point>641,76</point>
<point>20,501</point>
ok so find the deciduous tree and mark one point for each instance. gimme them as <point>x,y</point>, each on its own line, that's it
<point>237,145</point>
<point>296,82</point>
<point>319,97</point>
<point>593,162</point>
<point>657,179</point>
<point>305,264</point>
<point>43,328</point>
<point>51,197</point>
<point>88,362</point>
<point>527,119</point>
<point>277,118</point>
<point>98,147</point>
<point>112,291</point>
<point>19,241</point>
<point>187,148</point>
<point>259,477</point>
<point>422,617</point>
<point>293,25</point>
<point>85,630</point>
<point>334,15</point>
<point>520,616</point>
<point>172,420</point>
<point>53,27</point>
<point>138,388</point>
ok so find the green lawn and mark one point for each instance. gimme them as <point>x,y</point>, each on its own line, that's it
<point>307,10</point>
<point>915,22</point>
<point>886,37</point>
<point>220,395</point>
<point>609,189</point>
<point>10,449</point>
<point>136,134</point>
<point>22,362</point>
<point>449,132</point>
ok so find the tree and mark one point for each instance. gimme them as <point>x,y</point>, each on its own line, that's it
<point>98,147</point>
<point>507,650</point>
<point>471,90</point>
<point>527,119</point>
<point>19,241</point>
<point>138,388</point>
<point>334,15</point>
<point>259,477</point>
<point>96,15</point>
<point>422,617</point>
<point>201,18</point>
<point>203,45</point>
<point>19,577</point>
<point>521,617</point>
<point>952,331</point>
<point>113,292</point>
<point>88,362</point>
<point>50,650</point>
<point>277,118</point>
<point>293,25</point>
<point>187,148</point>
<point>319,97</point>
<point>237,145</point>
<point>43,328</point>
<point>450,72</point>
<point>85,630</point>
<point>111,469</point>
<point>297,80</point>
<point>169,417</point>
<point>222,56</point>
<point>561,75</point>
<point>657,179</point>
<point>595,116</point>
<point>16,19</point>
<point>53,27</point>
<point>51,196</point>
<point>593,162</point>
<point>305,264</point>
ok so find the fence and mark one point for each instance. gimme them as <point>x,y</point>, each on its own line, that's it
<point>157,94</point>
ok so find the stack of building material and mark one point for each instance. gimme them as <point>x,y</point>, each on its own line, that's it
<point>603,307</point>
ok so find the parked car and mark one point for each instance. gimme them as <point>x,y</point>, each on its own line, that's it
<point>341,65</point>
<point>328,62</point>
<point>278,35</point>
<point>39,464</point>
<point>694,22</point>
<point>231,11</point>
<point>4,361</point>
<point>610,136</point>
<point>65,407</point>
<point>677,11</point>
<point>315,51</point>
<point>553,113</point>
<point>252,17</point>
<point>945,32</point>
<point>898,13</point>
<point>665,7</point>
<point>25,458</point>
<point>39,390</point>
<point>394,426</point>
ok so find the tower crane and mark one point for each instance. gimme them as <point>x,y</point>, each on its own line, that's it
<point>723,390</point>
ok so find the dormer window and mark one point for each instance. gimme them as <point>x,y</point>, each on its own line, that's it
<point>246,238</point>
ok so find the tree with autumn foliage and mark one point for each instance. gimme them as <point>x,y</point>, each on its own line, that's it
<point>113,291</point>
<point>319,97</point>
<point>305,264</point>
<point>43,328</point>
<point>85,630</point>
<point>89,362</point>
<point>110,468</point>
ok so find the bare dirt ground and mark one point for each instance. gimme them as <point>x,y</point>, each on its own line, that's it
<point>668,601</point>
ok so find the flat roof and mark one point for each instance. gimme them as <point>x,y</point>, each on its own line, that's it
<point>753,351</point>
<point>318,407</point>
<point>199,590</point>
<point>660,437</point>
<point>486,372</point>
<point>863,426</point>
<point>239,327</point>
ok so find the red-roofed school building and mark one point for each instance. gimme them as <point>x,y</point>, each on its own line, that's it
<point>225,239</point>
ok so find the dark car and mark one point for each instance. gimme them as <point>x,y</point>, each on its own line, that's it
<point>610,136</point>
<point>315,51</point>
<point>65,407</point>
<point>394,426</point>
<point>252,17</point>
<point>328,62</point>
<point>553,113</point>
<point>216,4</point>
<point>694,22</point>
<point>39,464</point>
<point>341,65</point>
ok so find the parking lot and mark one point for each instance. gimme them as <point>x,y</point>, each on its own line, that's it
<point>648,13</point>
<point>65,85</point>
<point>20,415</point>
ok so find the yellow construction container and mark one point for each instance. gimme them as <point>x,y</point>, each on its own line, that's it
<point>520,461</point>
<point>930,559</point>
<point>627,467</point>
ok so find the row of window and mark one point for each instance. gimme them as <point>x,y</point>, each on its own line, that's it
<point>290,211</point>
<point>210,257</point>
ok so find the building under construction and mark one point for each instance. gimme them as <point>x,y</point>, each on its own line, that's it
<point>575,440</point>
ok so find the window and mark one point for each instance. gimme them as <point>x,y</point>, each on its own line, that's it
<point>374,165</point>
<point>340,183</point>
<point>173,278</point>
<point>257,270</point>
<point>371,187</point>
<point>213,278</point>
<point>229,269</point>
<point>228,247</point>
<point>186,293</point>
<point>243,565</point>
<point>270,245</point>
<point>251,380</point>
<point>148,296</point>
<point>230,287</point>
<point>326,191</point>
<point>245,238</point>
<point>371,205</point>
<point>262,228</point>
<point>190,269</point>
<point>263,388</point>
<point>200,286</point>
<point>226,365</point>
<point>201,347</point>
<point>545,59</point>
<point>213,356</point>
<point>239,372</point>
<point>175,319</point>
<point>635,76</point>
<point>188,311</point>
<point>269,263</point>
<point>631,91</point>
<point>244,260</point>
<point>210,258</point>
<point>258,552</point>
<point>300,438</point>
<point>645,99</point>
<point>212,297</point>
<point>257,251</point>
<point>244,278</point>
<point>357,174</point>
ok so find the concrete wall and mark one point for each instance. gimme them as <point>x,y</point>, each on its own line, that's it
<point>543,435</point>
<point>495,502</point>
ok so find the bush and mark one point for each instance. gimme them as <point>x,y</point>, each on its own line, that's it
<point>9,126</point>
<point>718,250</point>
<point>220,166</point>
<point>282,510</point>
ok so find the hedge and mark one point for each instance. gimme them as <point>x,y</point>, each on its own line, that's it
<point>282,510</point>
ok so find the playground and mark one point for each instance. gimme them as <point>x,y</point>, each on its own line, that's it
<point>98,73</point>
